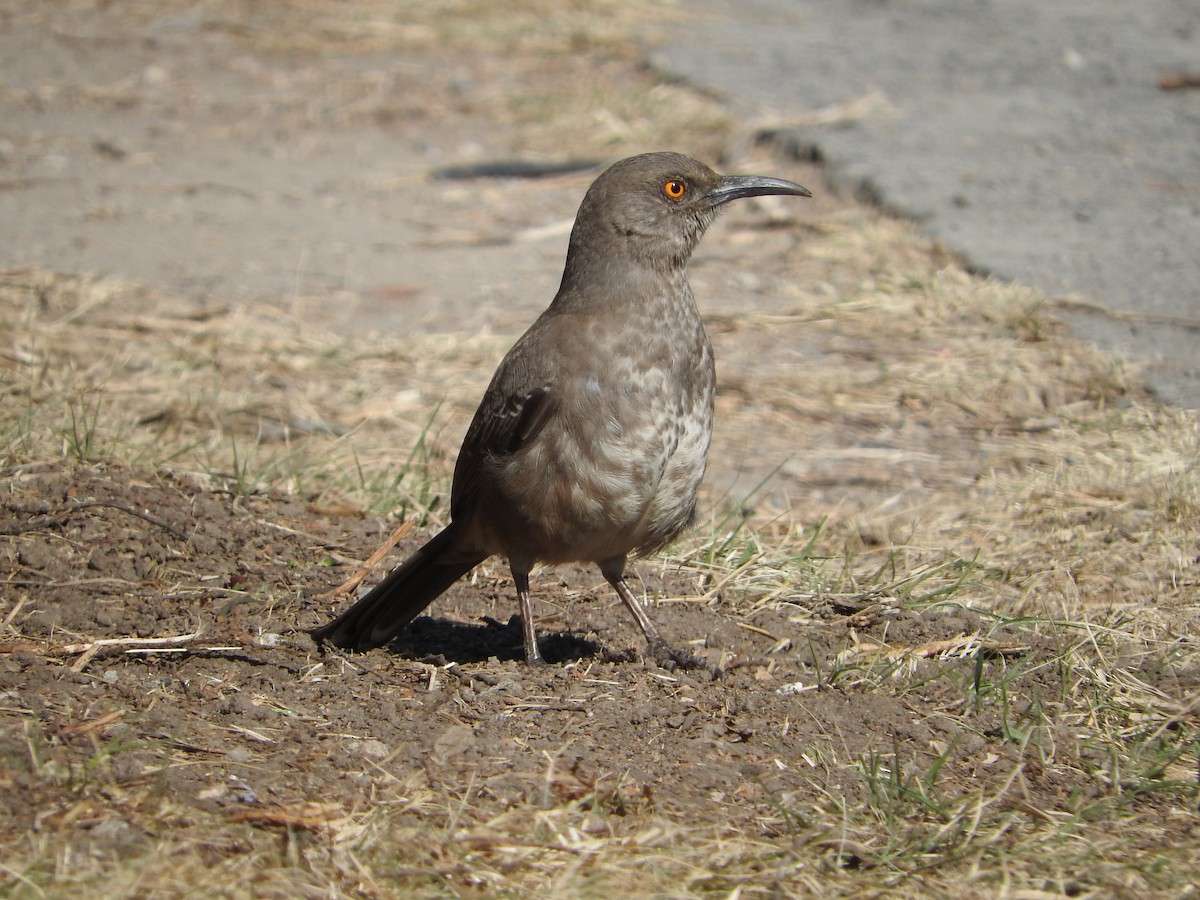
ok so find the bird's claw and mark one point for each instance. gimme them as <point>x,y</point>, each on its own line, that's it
<point>671,659</point>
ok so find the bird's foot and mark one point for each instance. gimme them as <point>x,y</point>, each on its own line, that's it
<point>533,656</point>
<point>670,658</point>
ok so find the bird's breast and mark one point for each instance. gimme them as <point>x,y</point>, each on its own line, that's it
<point>617,469</point>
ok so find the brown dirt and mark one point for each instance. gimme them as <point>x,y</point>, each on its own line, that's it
<point>262,722</point>
<point>856,713</point>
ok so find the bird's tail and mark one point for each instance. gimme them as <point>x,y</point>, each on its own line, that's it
<point>401,596</point>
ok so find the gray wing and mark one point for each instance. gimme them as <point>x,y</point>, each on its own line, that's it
<point>515,408</point>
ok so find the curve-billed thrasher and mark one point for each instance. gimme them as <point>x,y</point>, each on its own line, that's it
<point>590,442</point>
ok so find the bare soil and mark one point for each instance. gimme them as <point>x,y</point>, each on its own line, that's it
<point>250,724</point>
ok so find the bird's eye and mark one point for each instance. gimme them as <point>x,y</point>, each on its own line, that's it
<point>674,189</point>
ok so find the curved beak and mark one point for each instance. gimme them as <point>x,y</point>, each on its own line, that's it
<point>734,187</point>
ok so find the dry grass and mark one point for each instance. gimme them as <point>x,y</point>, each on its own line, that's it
<point>1080,533</point>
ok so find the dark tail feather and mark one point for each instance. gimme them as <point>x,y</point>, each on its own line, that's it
<point>401,596</point>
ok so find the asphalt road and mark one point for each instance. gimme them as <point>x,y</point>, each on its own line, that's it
<point>1032,138</point>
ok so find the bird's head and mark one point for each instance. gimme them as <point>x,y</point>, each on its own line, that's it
<point>657,206</point>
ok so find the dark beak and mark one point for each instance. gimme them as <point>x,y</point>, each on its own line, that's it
<point>734,187</point>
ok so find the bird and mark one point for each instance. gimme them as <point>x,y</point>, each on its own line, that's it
<point>591,440</point>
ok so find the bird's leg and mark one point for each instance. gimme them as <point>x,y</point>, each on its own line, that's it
<point>533,656</point>
<point>664,654</point>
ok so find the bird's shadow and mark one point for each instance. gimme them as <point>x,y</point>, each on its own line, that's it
<point>460,642</point>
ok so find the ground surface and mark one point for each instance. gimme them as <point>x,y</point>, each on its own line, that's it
<point>1036,140</point>
<point>947,576</point>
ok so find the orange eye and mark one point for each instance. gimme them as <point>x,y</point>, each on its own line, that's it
<point>674,189</point>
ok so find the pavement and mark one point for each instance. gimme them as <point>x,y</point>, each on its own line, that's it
<point>1034,139</point>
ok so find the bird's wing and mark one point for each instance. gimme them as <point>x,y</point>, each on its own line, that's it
<point>517,405</point>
